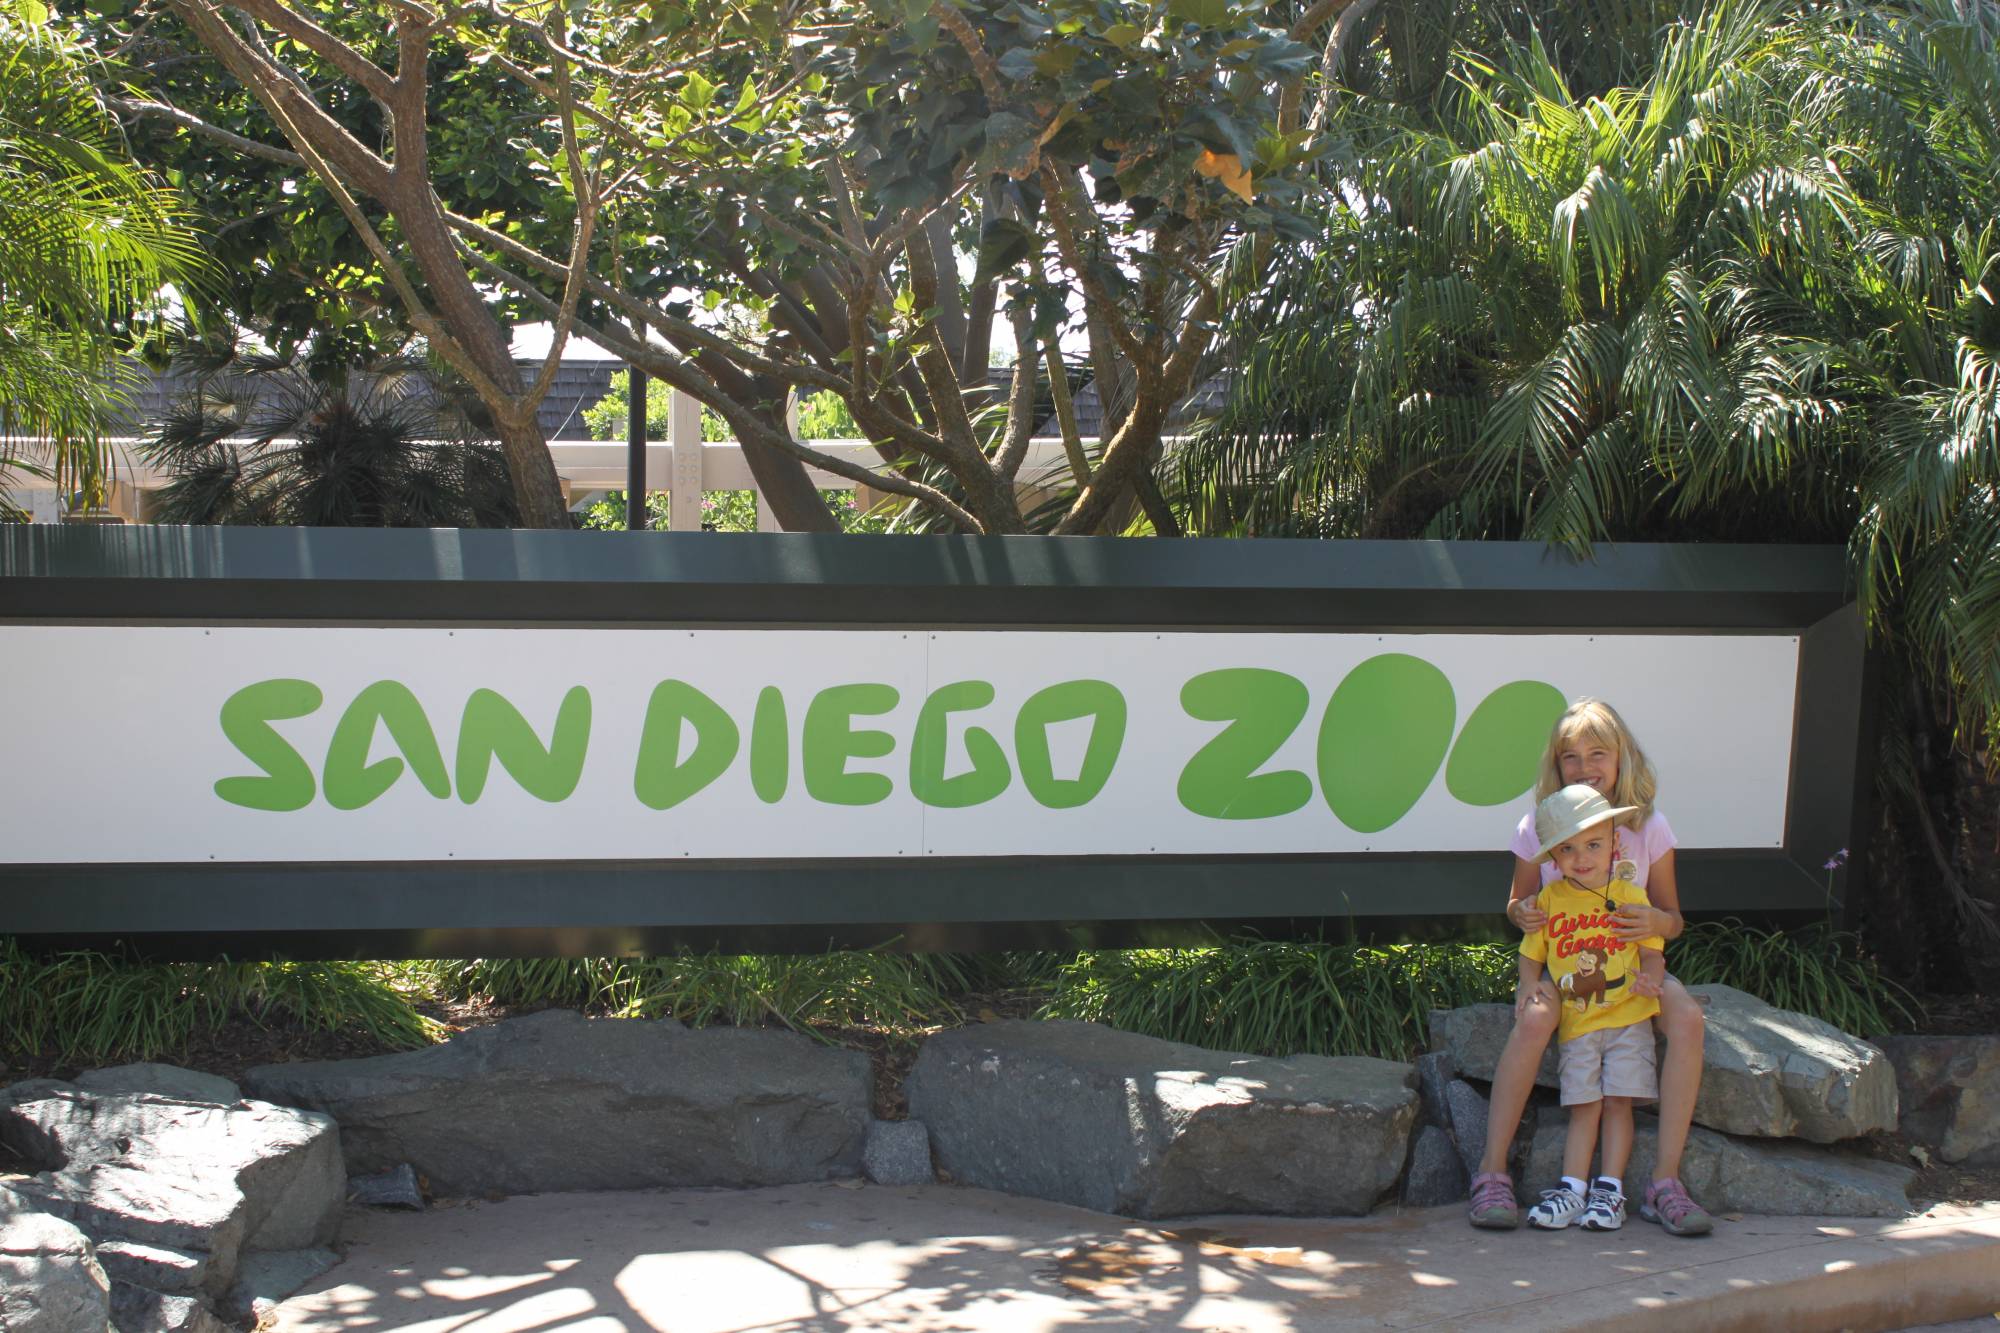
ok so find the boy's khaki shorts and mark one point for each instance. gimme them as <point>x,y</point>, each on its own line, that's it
<point>1610,1062</point>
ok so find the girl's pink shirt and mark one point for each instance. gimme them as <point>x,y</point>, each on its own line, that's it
<point>1641,846</point>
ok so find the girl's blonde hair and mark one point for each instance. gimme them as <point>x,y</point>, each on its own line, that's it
<point>1594,720</point>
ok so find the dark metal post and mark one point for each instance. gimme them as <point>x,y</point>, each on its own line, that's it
<point>635,453</point>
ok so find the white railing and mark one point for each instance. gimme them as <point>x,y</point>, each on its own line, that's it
<point>683,464</point>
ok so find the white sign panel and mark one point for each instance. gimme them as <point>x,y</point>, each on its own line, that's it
<point>145,744</point>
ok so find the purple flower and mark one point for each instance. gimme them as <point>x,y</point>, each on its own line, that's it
<point>1833,864</point>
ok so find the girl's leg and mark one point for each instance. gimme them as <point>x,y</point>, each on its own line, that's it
<point>1582,1140</point>
<point>1680,1076</point>
<point>1514,1077</point>
<point>1616,1134</point>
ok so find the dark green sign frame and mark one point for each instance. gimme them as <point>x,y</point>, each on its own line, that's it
<point>228,576</point>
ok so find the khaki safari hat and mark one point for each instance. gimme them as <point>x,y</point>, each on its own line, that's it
<point>1569,812</point>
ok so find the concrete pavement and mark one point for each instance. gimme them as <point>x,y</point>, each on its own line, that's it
<point>940,1258</point>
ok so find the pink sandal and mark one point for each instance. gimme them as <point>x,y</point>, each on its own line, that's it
<point>1493,1204</point>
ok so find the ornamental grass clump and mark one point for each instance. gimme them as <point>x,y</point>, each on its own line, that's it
<point>84,1007</point>
<point>1271,997</point>
<point>843,989</point>
<point>1816,971</point>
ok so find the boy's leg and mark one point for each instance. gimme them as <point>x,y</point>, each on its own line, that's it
<point>1581,1071</point>
<point>1563,1205</point>
<point>1617,1137</point>
<point>1629,1076</point>
<point>1582,1140</point>
<point>1604,1207</point>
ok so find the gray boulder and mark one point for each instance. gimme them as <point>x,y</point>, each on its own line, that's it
<point>1771,1073</point>
<point>1436,1175</point>
<point>266,1278</point>
<point>1434,1074</point>
<point>181,1176</point>
<point>140,1310</point>
<point>185,1085</point>
<point>1466,1116</point>
<point>50,1282</point>
<point>1475,1034</point>
<point>1949,1092</point>
<point>176,1272</point>
<point>1084,1114</point>
<point>1727,1174</point>
<point>898,1152</point>
<point>556,1101</point>
<point>395,1188</point>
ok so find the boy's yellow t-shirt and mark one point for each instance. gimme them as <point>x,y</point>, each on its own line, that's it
<point>1592,968</point>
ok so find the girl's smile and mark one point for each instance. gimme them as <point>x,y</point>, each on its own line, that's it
<point>1588,760</point>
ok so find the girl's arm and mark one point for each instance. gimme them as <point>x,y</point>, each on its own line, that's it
<point>1521,909</point>
<point>1663,917</point>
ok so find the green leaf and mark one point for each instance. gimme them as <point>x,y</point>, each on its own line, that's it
<point>1010,141</point>
<point>1018,63</point>
<point>1201,13</point>
<point>698,93</point>
<point>1003,243</point>
<point>1123,35</point>
<point>32,12</point>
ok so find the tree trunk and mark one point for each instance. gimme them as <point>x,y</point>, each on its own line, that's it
<point>784,484</point>
<point>537,489</point>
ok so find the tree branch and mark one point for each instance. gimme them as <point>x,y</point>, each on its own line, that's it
<point>585,185</point>
<point>187,120</point>
<point>1060,217</point>
<point>278,87</point>
<point>321,43</point>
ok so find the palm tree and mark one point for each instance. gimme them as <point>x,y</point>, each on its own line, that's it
<point>92,245</point>
<point>262,440</point>
<point>1753,294</point>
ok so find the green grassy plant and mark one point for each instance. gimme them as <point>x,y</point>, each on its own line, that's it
<point>897,992</point>
<point>1815,971</point>
<point>1273,997</point>
<point>89,1008</point>
<point>576,983</point>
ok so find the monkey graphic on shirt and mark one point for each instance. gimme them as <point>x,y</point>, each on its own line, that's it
<point>1590,981</point>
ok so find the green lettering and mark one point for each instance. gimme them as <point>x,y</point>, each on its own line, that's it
<point>662,778</point>
<point>349,779</point>
<point>1098,700</point>
<point>247,716</point>
<point>990,773</point>
<point>828,741</point>
<point>492,728</point>
<point>770,747</point>
<point>1262,709</point>
<point>1499,748</point>
<point>1384,734</point>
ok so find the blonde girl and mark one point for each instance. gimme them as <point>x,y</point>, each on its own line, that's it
<point>1591,744</point>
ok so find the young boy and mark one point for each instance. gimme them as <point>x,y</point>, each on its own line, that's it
<point>1609,988</point>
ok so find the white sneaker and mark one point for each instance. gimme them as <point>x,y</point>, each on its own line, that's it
<point>1559,1208</point>
<point>1605,1210</point>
